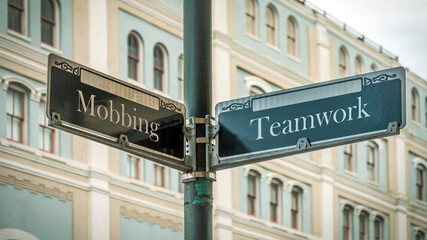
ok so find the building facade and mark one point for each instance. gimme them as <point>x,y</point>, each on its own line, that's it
<point>54,185</point>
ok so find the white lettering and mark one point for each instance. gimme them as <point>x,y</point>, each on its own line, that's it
<point>259,126</point>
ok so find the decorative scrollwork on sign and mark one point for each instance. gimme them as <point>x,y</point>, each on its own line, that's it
<point>237,106</point>
<point>67,67</point>
<point>169,106</point>
<point>378,79</point>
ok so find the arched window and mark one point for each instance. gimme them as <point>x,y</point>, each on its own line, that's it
<point>378,228</point>
<point>46,133</point>
<point>363,225</point>
<point>420,235</point>
<point>296,194</point>
<point>48,22</point>
<point>415,104</point>
<point>254,90</point>
<point>181,77</point>
<point>342,62</point>
<point>15,114</point>
<point>292,37</point>
<point>359,65</point>
<point>159,68</point>
<point>133,56</point>
<point>420,182</point>
<point>271,26</point>
<point>372,161</point>
<point>275,193</point>
<point>15,18</point>
<point>252,200</point>
<point>250,17</point>
<point>373,67</point>
<point>349,157</point>
<point>347,223</point>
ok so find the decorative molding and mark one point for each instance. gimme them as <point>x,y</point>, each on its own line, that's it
<point>257,82</point>
<point>169,106</point>
<point>378,79</point>
<point>67,67</point>
<point>237,106</point>
<point>164,223</point>
<point>360,209</point>
<point>420,161</point>
<point>35,188</point>
<point>375,214</point>
<point>15,79</point>
<point>344,202</point>
<point>252,167</point>
<point>292,183</point>
<point>272,175</point>
<point>418,229</point>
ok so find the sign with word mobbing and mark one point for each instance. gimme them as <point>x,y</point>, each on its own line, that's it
<point>311,117</point>
<point>93,105</point>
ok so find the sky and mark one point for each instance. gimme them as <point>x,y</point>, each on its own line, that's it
<point>400,26</point>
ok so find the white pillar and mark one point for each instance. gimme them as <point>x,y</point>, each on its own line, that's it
<point>401,167</point>
<point>327,205</point>
<point>323,49</point>
<point>99,201</point>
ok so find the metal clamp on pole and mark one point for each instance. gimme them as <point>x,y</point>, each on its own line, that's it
<point>193,138</point>
<point>189,177</point>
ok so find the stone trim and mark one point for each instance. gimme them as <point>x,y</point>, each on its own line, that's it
<point>35,188</point>
<point>162,222</point>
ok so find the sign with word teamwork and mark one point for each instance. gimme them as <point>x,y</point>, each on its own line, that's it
<point>91,104</point>
<point>312,117</point>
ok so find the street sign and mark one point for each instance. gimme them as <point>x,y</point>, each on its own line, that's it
<point>308,118</point>
<point>93,105</point>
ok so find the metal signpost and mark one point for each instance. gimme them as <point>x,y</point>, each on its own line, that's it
<point>312,117</point>
<point>253,129</point>
<point>107,110</point>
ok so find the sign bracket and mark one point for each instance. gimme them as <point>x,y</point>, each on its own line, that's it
<point>303,143</point>
<point>124,140</point>
<point>56,119</point>
<point>393,128</point>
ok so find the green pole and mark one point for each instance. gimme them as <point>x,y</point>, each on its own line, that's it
<point>198,101</point>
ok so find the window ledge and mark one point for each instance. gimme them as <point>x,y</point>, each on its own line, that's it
<point>351,173</point>
<point>50,48</point>
<point>274,47</point>
<point>137,83</point>
<point>253,37</point>
<point>374,183</point>
<point>19,35</point>
<point>421,202</point>
<point>417,123</point>
<point>296,59</point>
<point>161,93</point>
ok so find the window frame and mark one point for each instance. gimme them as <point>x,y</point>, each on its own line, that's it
<point>274,203</point>
<point>372,165</point>
<point>342,62</point>
<point>181,77</point>
<point>271,26</point>
<point>138,172</point>
<point>414,105</point>
<point>159,69</point>
<point>347,223</point>
<point>378,228</point>
<point>12,115</point>
<point>349,155</point>
<point>250,197</point>
<point>363,233</point>
<point>53,23</point>
<point>21,11</point>
<point>251,17</point>
<point>358,65</point>
<point>131,57</point>
<point>45,126</point>
<point>163,171</point>
<point>420,186</point>
<point>291,35</point>
<point>295,210</point>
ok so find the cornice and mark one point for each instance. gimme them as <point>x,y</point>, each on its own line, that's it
<point>23,49</point>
